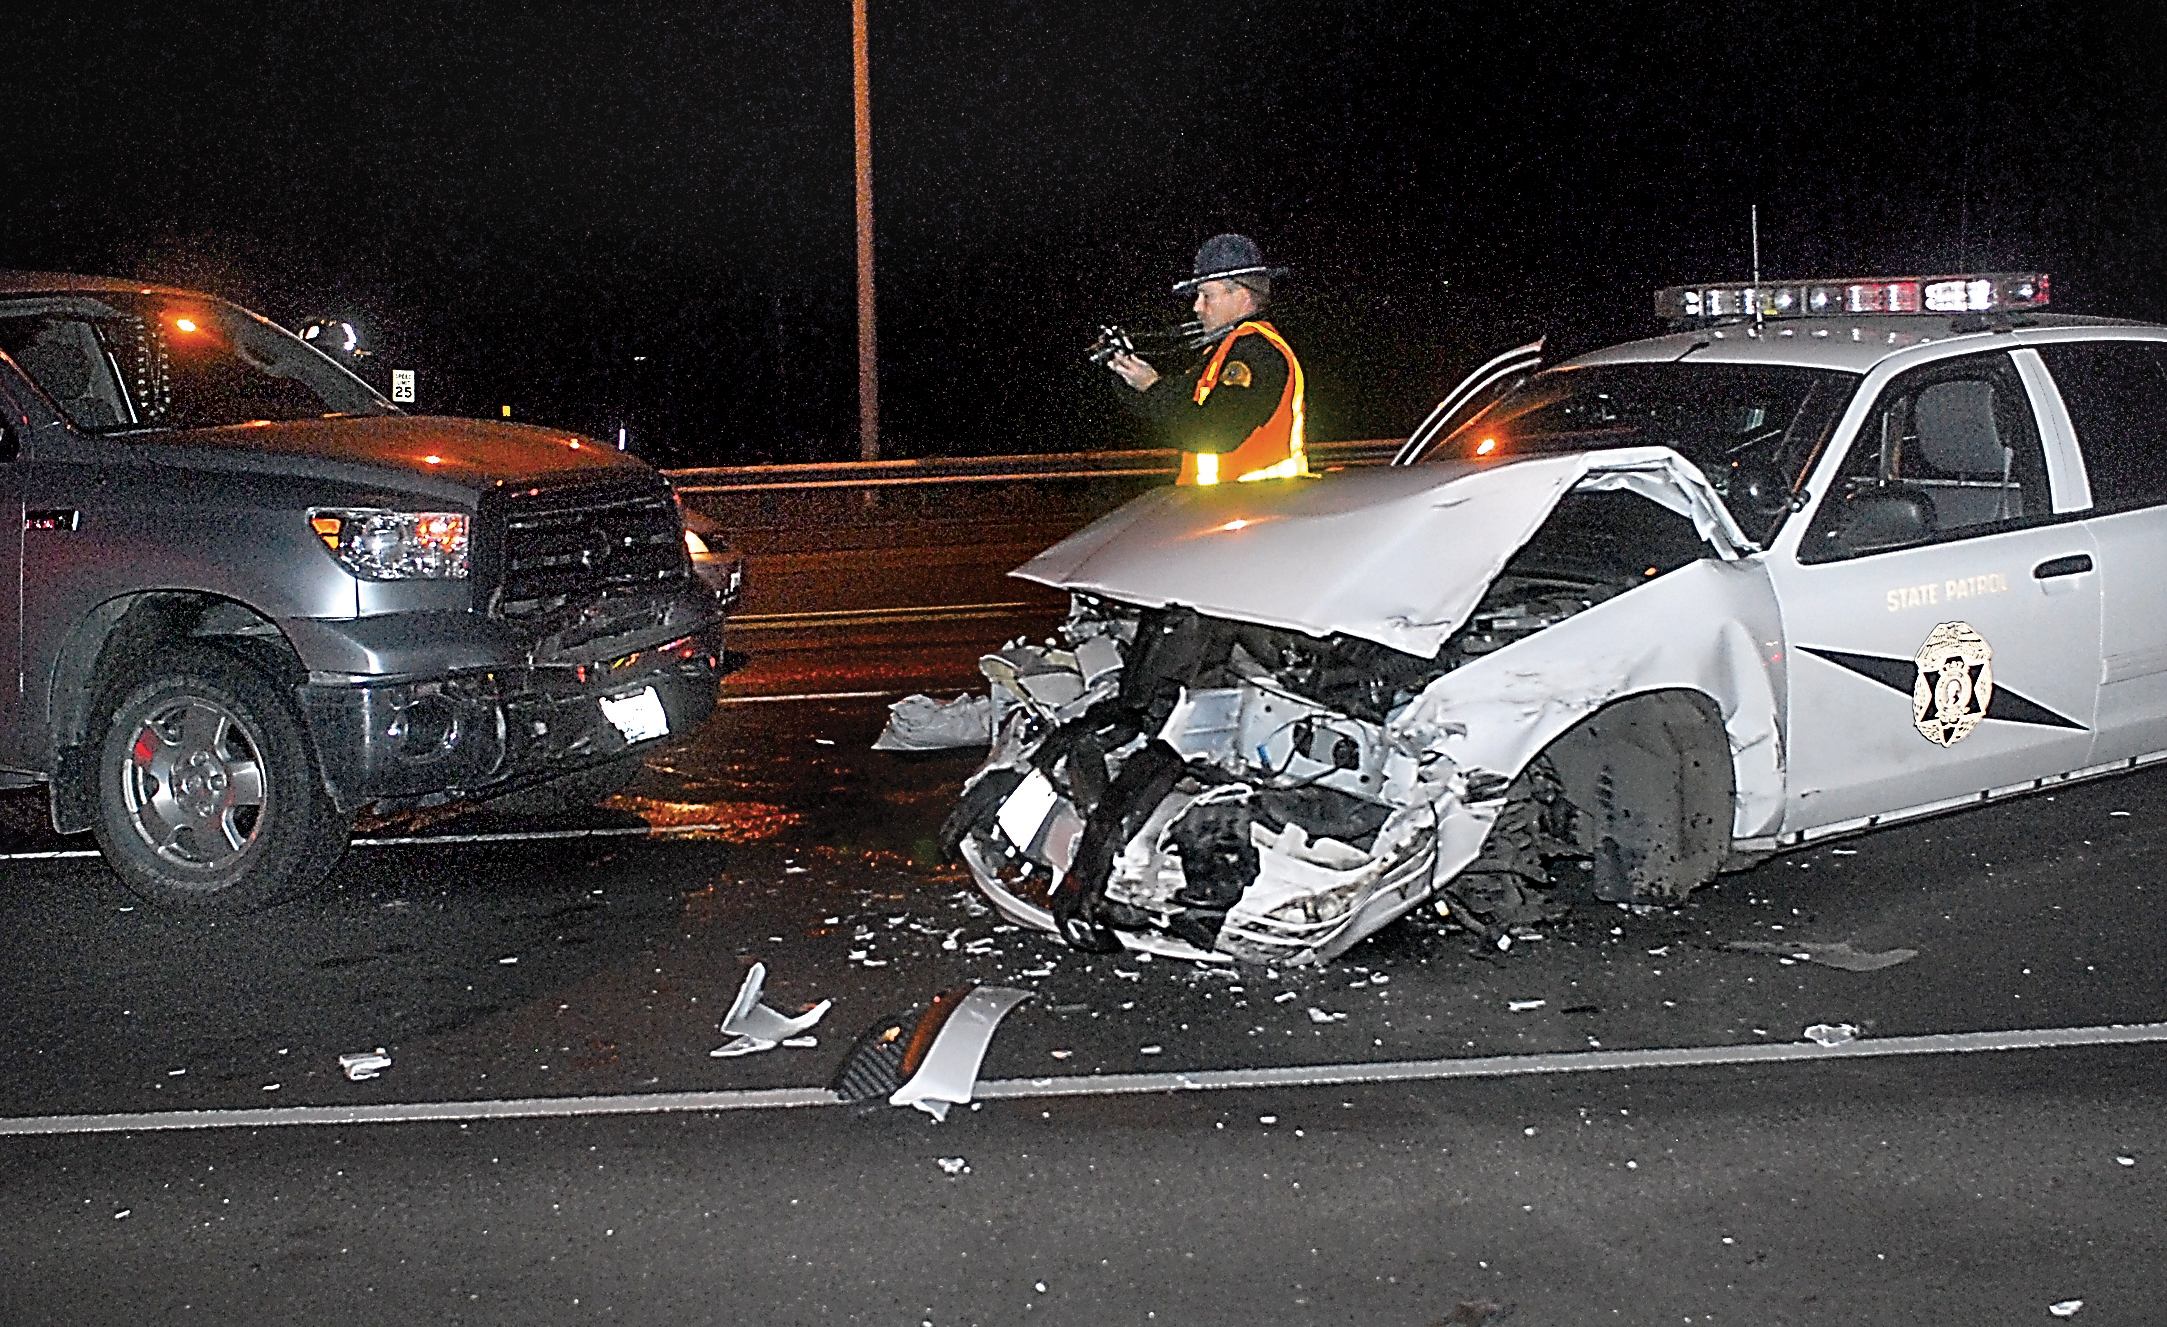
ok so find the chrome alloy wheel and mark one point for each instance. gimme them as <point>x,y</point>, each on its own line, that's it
<point>194,784</point>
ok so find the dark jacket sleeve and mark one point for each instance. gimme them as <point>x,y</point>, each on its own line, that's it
<point>1230,414</point>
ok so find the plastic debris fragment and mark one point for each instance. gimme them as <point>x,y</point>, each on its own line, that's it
<point>948,1069</point>
<point>921,723</point>
<point>1317,1015</point>
<point>952,1165</point>
<point>2066,1309</point>
<point>1838,955</point>
<point>361,1066</point>
<point>1522,1006</point>
<point>752,1026</point>
<point>1826,1034</point>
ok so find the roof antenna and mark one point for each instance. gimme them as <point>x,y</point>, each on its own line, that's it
<point>1754,222</point>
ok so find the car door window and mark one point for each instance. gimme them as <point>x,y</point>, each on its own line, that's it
<point>1948,452</point>
<point>66,357</point>
<point>2116,395</point>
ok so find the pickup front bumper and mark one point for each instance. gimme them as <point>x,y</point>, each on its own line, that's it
<point>481,732</point>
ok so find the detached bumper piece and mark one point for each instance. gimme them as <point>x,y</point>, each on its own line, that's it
<point>931,1063</point>
<point>481,734</point>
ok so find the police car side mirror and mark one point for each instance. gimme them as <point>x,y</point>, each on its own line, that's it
<point>1879,519</point>
<point>1756,486</point>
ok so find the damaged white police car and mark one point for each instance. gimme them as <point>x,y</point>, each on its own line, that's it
<point>1832,555</point>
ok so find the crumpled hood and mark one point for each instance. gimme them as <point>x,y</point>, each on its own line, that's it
<point>1400,556</point>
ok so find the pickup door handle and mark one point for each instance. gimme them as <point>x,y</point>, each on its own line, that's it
<point>2076,564</point>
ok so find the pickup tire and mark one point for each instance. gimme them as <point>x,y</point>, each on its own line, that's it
<point>572,792</point>
<point>207,788</point>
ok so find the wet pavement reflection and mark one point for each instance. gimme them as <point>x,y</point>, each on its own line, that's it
<point>602,965</point>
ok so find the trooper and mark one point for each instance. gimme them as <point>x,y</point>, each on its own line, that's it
<point>1238,414</point>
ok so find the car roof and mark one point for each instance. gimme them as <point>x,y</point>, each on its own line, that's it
<point>1851,344</point>
<point>61,283</point>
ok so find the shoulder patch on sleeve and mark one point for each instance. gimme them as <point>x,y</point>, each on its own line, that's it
<point>1234,373</point>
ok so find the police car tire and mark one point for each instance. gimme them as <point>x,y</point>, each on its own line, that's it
<point>225,810</point>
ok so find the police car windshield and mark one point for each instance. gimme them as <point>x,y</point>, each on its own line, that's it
<point>124,363</point>
<point>1753,429</point>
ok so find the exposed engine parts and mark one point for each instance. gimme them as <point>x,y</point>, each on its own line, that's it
<point>1226,789</point>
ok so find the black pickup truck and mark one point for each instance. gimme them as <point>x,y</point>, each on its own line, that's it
<point>251,598</point>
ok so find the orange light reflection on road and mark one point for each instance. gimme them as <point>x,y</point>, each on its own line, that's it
<point>739,822</point>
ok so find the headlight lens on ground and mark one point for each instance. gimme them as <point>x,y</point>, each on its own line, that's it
<point>379,545</point>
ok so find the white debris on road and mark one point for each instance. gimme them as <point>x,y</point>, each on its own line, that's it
<point>1522,1006</point>
<point>1824,1034</point>
<point>360,1066</point>
<point>921,723</point>
<point>753,1026</point>
<point>1838,955</point>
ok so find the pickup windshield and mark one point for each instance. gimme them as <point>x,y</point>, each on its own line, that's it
<point>122,363</point>
<point>1753,429</point>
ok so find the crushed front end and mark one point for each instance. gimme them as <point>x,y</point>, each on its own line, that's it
<point>1273,784</point>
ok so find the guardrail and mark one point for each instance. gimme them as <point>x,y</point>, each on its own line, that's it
<point>988,469</point>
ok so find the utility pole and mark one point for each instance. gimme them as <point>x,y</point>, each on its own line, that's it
<point>868,357</point>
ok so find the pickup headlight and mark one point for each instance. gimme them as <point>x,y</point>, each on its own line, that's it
<point>379,545</point>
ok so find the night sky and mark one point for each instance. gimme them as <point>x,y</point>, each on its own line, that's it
<point>518,201</point>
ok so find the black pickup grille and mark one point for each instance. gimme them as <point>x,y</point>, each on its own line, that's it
<point>553,546</point>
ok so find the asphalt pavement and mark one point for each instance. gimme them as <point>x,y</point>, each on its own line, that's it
<point>1979,1187</point>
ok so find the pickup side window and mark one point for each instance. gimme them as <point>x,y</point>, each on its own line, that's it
<point>1948,452</point>
<point>117,363</point>
<point>2116,394</point>
<point>66,358</point>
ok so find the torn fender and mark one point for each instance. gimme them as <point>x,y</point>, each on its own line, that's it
<point>1500,712</point>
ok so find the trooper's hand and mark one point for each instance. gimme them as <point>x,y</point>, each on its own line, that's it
<point>1134,371</point>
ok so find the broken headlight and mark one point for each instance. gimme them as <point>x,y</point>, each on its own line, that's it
<point>380,545</point>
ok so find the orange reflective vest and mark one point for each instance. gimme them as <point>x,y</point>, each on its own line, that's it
<point>1274,449</point>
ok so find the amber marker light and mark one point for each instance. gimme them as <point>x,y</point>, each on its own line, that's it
<point>327,529</point>
<point>185,324</point>
<point>432,460</point>
<point>1486,446</point>
<point>1236,524</point>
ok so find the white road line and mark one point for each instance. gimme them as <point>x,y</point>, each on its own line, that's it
<point>420,1112</point>
<point>539,835</point>
<point>506,836</point>
<point>1574,1062</point>
<point>1009,1089</point>
<point>805,695</point>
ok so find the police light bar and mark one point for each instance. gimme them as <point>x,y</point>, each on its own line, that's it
<point>1984,293</point>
